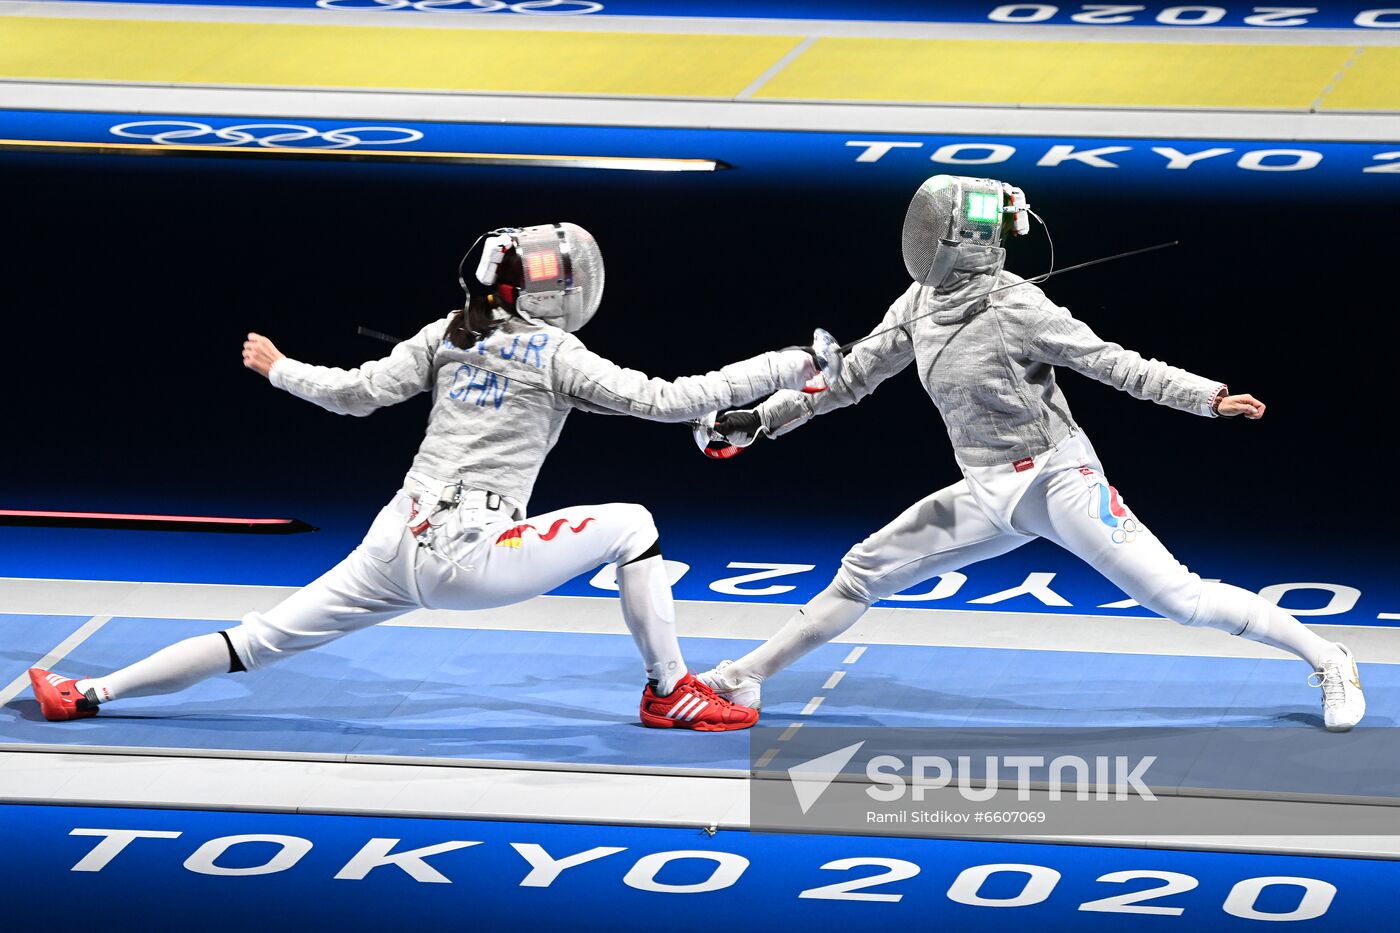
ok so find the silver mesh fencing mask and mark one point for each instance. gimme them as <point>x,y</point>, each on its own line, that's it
<point>563,272</point>
<point>949,214</point>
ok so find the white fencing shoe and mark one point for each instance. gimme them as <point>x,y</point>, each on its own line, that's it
<point>731,685</point>
<point>1343,703</point>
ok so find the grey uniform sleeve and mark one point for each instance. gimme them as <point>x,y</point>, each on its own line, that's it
<point>406,371</point>
<point>1062,340</point>
<point>592,383</point>
<point>869,363</point>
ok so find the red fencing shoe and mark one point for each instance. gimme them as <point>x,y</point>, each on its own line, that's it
<point>692,705</point>
<point>58,696</point>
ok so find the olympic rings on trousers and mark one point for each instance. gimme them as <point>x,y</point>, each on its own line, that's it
<point>171,132</point>
<point>1127,532</point>
<point>531,7</point>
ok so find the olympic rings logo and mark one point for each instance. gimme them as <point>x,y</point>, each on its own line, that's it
<point>530,7</point>
<point>1126,532</point>
<point>267,135</point>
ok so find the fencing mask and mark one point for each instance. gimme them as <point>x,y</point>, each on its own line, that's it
<point>954,217</point>
<point>563,272</point>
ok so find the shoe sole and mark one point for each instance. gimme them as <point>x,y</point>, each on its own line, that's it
<point>661,722</point>
<point>1346,728</point>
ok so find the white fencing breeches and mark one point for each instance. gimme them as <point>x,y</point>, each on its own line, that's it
<point>480,560</point>
<point>1068,501</point>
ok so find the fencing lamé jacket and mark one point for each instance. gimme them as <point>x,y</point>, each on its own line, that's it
<point>498,406</point>
<point>989,368</point>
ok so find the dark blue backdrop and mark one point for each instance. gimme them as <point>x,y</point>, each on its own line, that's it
<point>132,281</point>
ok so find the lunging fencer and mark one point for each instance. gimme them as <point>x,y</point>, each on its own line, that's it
<point>988,363</point>
<point>504,373</point>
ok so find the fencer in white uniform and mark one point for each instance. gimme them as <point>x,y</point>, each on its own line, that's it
<point>988,363</point>
<point>504,374</point>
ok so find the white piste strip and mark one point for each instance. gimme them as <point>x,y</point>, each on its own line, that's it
<point>957,628</point>
<point>288,786</point>
<point>704,25</point>
<point>59,652</point>
<point>851,118</point>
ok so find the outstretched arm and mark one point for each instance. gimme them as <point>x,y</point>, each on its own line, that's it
<point>593,383</point>
<point>405,372</point>
<point>1062,340</point>
<point>869,363</point>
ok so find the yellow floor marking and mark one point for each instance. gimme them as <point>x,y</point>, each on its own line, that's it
<point>1371,83</point>
<point>956,71</point>
<point>484,60</point>
<point>1126,74</point>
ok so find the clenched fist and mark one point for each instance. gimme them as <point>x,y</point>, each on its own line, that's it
<point>259,354</point>
<point>1247,405</point>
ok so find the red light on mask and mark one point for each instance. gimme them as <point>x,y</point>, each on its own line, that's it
<point>541,266</point>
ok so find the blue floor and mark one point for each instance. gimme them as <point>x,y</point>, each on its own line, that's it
<point>26,638</point>
<point>572,698</point>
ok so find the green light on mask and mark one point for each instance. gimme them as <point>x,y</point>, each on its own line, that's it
<point>983,208</point>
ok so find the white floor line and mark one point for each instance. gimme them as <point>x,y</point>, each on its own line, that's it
<point>772,71</point>
<point>831,682</point>
<point>789,732</point>
<point>857,118</point>
<point>59,652</point>
<point>503,793</point>
<point>765,758</point>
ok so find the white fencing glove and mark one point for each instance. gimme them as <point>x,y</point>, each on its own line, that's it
<point>817,368</point>
<point>720,437</point>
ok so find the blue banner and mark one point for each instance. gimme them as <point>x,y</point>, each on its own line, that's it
<point>1248,167</point>
<point>173,869</point>
<point>1162,15</point>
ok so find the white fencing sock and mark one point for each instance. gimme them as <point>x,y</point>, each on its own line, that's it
<point>651,618</point>
<point>182,665</point>
<point>1251,616</point>
<point>826,616</point>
